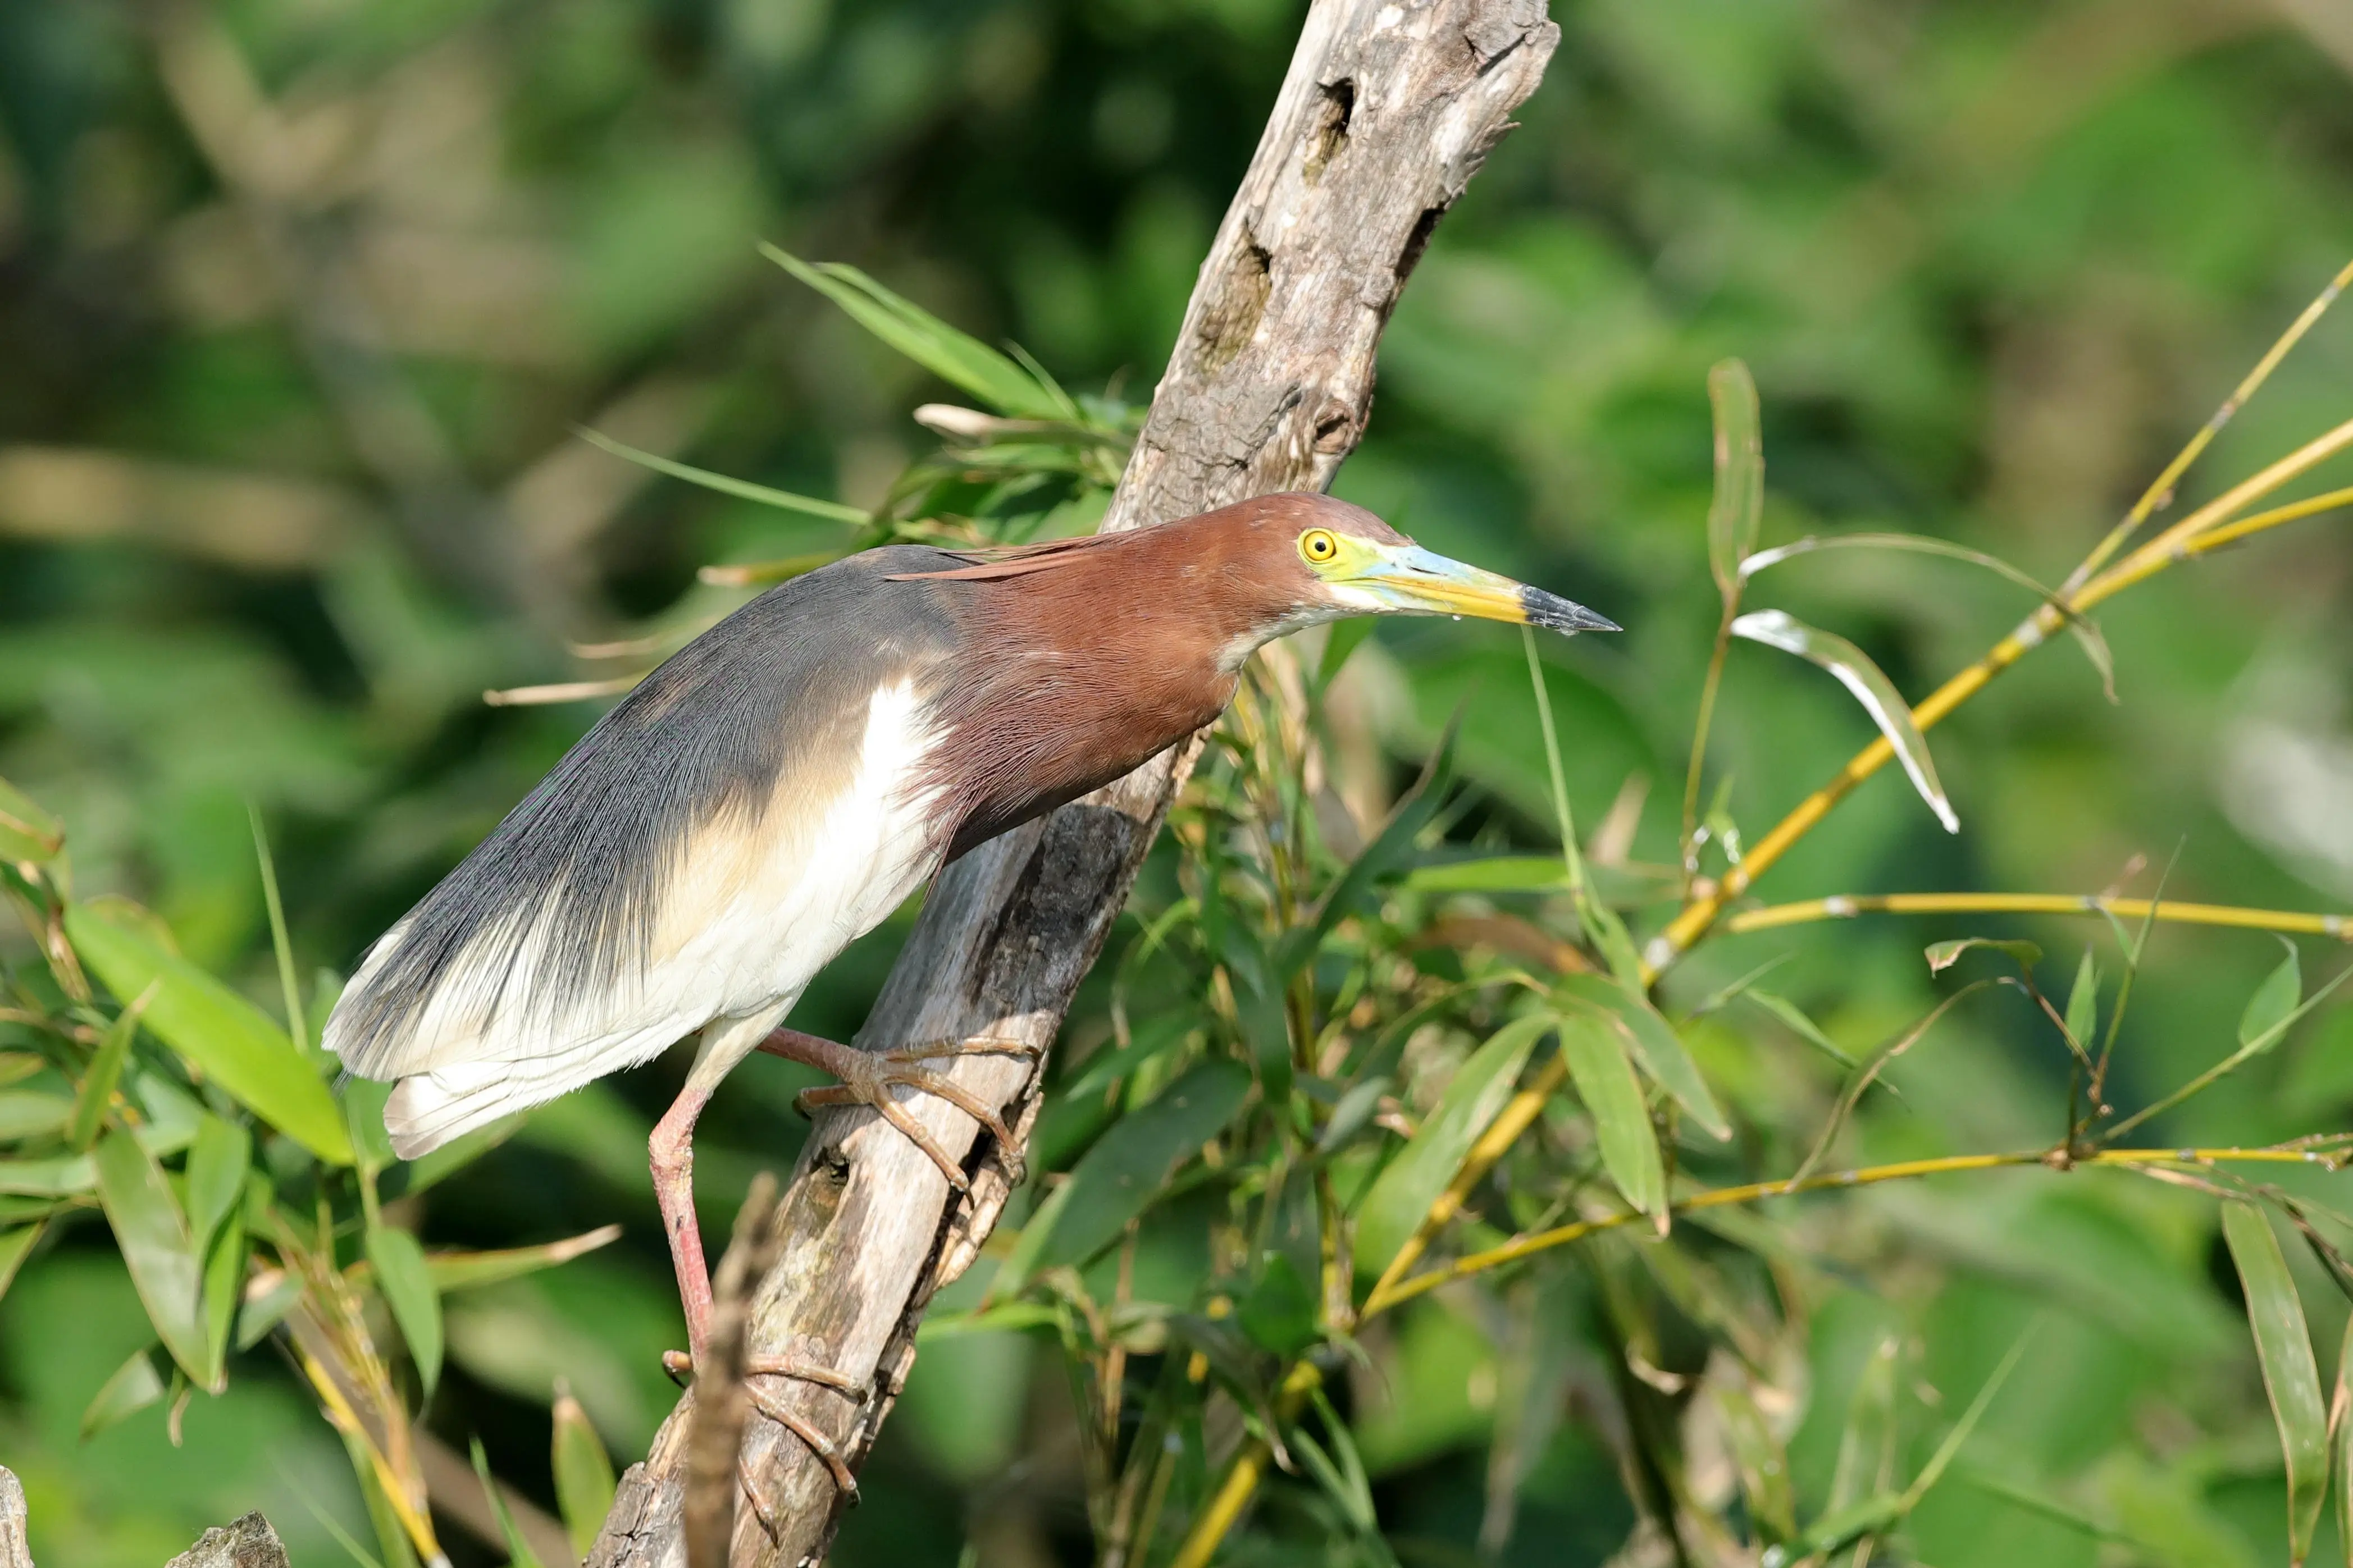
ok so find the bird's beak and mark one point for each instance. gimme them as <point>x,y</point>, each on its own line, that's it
<point>1409,580</point>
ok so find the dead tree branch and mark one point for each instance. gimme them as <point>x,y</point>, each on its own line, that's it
<point>1389,108</point>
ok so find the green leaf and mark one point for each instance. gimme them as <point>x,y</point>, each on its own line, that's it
<point>1738,505</point>
<point>1764,1467</point>
<point>954,356</point>
<point>218,1163</point>
<point>1492,874</point>
<point>1393,1207</point>
<point>2340,1409</point>
<point>1798,1023</point>
<point>16,1245</point>
<point>1867,1449</point>
<point>743,489</point>
<point>1117,1179</point>
<point>2086,631</point>
<point>28,1113</point>
<point>1342,640</point>
<point>1280,1310</point>
<point>1943,955</point>
<point>584,1472</point>
<point>1600,1064</point>
<point>1867,1072</point>
<point>2274,1002</point>
<point>64,1176</point>
<point>1657,1046</point>
<point>223,1292</point>
<point>133,1387</point>
<point>1388,849</point>
<point>105,1070</point>
<point>406,1286</point>
<point>2291,1377</point>
<point>363,1101</point>
<point>519,1552</point>
<point>234,1043</point>
<point>1871,686</point>
<point>2084,1002</point>
<point>152,1233</point>
<point>471,1270</point>
<point>26,832</point>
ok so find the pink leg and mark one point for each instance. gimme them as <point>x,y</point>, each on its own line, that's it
<point>670,1154</point>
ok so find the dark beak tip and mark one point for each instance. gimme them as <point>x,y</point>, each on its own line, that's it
<point>1556,614</point>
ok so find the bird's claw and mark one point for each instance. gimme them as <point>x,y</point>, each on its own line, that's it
<point>869,1083</point>
<point>680,1364</point>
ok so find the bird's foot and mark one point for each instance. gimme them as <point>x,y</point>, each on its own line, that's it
<point>868,1077</point>
<point>681,1367</point>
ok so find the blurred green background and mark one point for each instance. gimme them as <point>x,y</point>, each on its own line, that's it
<point>302,300</point>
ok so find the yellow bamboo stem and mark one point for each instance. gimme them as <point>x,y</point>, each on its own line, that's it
<point>1247,1468</point>
<point>2175,543</point>
<point>1723,1197</point>
<point>1846,905</point>
<point>1234,1494</point>
<point>2160,490</point>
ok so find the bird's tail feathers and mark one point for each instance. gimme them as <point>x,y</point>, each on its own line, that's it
<point>428,1109</point>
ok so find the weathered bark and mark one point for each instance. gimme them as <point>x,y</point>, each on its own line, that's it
<point>1388,109</point>
<point>250,1542</point>
<point>16,1551</point>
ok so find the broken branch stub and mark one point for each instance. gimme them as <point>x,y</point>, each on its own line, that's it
<point>1388,111</point>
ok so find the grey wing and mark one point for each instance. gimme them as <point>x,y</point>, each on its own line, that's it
<point>671,867</point>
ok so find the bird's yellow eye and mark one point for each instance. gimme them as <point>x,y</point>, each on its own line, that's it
<point>1317,546</point>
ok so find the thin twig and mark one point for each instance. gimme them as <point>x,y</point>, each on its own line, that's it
<point>720,1400</point>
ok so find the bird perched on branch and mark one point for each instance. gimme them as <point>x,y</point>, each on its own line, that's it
<point>785,780</point>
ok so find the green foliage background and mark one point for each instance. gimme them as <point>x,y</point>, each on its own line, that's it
<point>300,300</point>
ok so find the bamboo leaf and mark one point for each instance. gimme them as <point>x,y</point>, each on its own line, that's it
<point>471,1270</point>
<point>2274,1000</point>
<point>132,1387</point>
<point>1764,1467</point>
<point>1871,686</point>
<point>105,1070</point>
<point>1738,505</point>
<point>1798,1023</point>
<point>1600,1064</point>
<point>1943,955</point>
<point>2084,1002</point>
<point>29,1114</point>
<point>152,1233</point>
<point>1393,1207</point>
<point>743,489</point>
<point>1117,1179</point>
<point>2086,631</point>
<point>234,1043</point>
<point>1866,1456</point>
<point>219,1161</point>
<point>16,1245</point>
<point>519,1552</point>
<point>955,357</point>
<point>2291,1377</point>
<point>61,1176</point>
<point>26,832</point>
<point>1659,1050</point>
<point>406,1286</point>
<point>1491,874</point>
<point>2340,1430</point>
<point>1388,850</point>
<point>1868,1072</point>
<point>584,1472</point>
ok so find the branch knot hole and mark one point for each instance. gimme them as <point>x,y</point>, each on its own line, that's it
<point>1335,104</point>
<point>1230,317</point>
